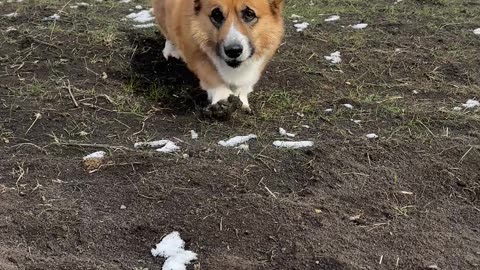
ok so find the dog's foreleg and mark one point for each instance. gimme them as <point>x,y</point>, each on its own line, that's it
<point>242,93</point>
<point>170,50</point>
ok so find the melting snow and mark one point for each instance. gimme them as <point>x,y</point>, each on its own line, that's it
<point>348,106</point>
<point>232,142</point>
<point>283,132</point>
<point>334,58</point>
<point>11,15</point>
<point>170,147</point>
<point>167,146</point>
<point>295,16</point>
<point>141,26</point>
<point>356,121</point>
<point>194,134</point>
<point>124,1</point>
<point>293,145</point>
<point>360,26</point>
<point>301,26</point>
<point>476,31</point>
<point>154,144</point>
<point>54,17</point>
<point>457,109</point>
<point>141,17</point>
<point>97,155</point>
<point>471,103</point>
<point>243,147</point>
<point>138,7</point>
<point>328,110</point>
<point>372,136</point>
<point>172,247</point>
<point>332,18</point>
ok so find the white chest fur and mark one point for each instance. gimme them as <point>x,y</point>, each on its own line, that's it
<point>246,75</point>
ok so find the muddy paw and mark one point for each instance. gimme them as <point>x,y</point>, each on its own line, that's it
<point>247,110</point>
<point>223,109</point>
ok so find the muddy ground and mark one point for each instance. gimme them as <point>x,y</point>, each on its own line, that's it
<point>407,200</point>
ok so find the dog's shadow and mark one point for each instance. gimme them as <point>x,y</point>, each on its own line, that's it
<point>169,83</point>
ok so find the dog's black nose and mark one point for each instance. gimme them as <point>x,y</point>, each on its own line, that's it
<point>233,51</point>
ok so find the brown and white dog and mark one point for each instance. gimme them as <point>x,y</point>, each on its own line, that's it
<point>225,43</point>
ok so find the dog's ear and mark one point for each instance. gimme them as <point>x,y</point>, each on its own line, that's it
<point>276,6</point>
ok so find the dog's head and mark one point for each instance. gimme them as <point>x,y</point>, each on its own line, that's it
<point>237,30</point>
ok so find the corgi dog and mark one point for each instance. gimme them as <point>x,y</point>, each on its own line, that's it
<point>225,43</point>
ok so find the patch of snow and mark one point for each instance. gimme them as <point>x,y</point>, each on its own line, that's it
<point>141,16</point>
<point>123,207</point>
<point>471,103</point>
<point>300,114</point>
<point>306,126</point>
<point>232,142</point>
<point>334,58</point>
<point>83,4</point>
<point>348,106</point>
<point>172,247</point>
<point>11,15</point>
<point>153,144</point>
<point>170,147</point>
<point>138,7</point>
<point>243,147</point>
<point>96,155</point>
<point>329,110</point>
<point>457,109</point>
<point>356,121</point>
<point>332,18</point>
<point>283,132</point>
<point>415,92</point>
<point>295,16</point>
<point>301,26</point>
<point>54,17</point>
<point>476,31</point>
<point>398,1</point>
<point>123,1</point>
<point>372,136</point>
<point>293,145</point>
<point>74,6</point>
<point>141,26</point>
<point>194,134</point>
<point>360,26</point>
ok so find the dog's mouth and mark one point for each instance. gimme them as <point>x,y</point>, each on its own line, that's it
<point>233,63</point>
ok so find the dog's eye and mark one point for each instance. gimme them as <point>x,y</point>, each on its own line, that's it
<point>217,17</point>
<point>249,15</point>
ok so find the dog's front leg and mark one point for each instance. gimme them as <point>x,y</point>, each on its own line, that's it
<point>243,92</point>
<point>223,102</point>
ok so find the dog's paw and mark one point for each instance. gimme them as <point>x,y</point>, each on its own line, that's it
<point>223,109</point>
<point>247,110</point>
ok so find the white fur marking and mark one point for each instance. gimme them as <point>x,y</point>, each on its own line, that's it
<point>170,50</point>
<point>246,75</point>
<point>218,93</point>
<point>242,93</point>
<point>235,37</point>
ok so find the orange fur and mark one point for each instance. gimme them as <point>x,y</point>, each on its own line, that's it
<point>188,26</point>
